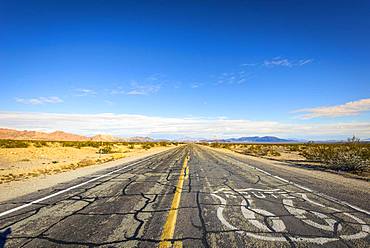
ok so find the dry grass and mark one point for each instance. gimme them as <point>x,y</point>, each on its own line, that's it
<point>25,159</point>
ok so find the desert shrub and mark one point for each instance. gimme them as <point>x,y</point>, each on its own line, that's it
<point>147,146</point>
<point>131,146</point>
<point>215,145</point>
<point>260,150</point>
<point>106,150</point>
<point>84,162</point>
<point>350,156</point>
<point>226,146</point>
<point>80,144</point>
<point>274,153</point>
<point>163,143</point>
<point>13,144</point>
<point>39,144</point>
<point>294,147</point>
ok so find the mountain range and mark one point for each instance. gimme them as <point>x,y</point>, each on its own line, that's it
<point>12,134</point>
<point>254,139</point>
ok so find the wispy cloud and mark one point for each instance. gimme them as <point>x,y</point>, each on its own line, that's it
<point>108,102</point>
<point>240,76</point>
<point>247,71</point>
<point>145,86</point>
<point>143,89</point>
<point>39,100</point>
<point>196,85</point>
<point>347,109</point>
<point>131,125</point>
<point>249,64</point>
<point>117,91</point>
<point>85,92</point>
<point>279,61</point>
<point>304,61</point>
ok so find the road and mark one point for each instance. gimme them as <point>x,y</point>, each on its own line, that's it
<point>189,196</point>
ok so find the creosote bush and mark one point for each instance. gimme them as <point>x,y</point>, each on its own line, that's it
<point>105,150</point>
<point>147,146</point>
<point>261,150</point>
<point>350,156</point>
<point>13,144</point>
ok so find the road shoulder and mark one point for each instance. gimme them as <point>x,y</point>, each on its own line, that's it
<point>16,189</point>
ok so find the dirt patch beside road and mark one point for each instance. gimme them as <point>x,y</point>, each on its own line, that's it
<point>15,189</point>
<point>23,163</point>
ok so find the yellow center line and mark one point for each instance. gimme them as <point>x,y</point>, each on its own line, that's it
<point>187,172</point>
<point>169,226</point>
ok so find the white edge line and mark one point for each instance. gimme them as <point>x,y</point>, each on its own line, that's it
<point>70,188</point>
<point>323,195</point>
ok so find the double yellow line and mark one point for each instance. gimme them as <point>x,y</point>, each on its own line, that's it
<point>169,226</point>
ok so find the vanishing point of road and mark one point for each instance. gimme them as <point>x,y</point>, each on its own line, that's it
<point>188,196</point>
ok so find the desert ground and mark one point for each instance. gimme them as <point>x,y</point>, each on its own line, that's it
<point>45,158</point>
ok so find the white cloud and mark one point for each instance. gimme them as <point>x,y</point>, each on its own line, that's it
<point>132,125</point>
<point>304,61</point>
<point>146,86</point>
<point>279,61</point>
<point>108,102</point>
<point>117,91</point>
<point>196,85</point>
<point>237,77</point>
<point>143,89</point>
<point>249,64</point>
<point>39,100</point>
<point>246,71</point>
<point>347,109</point>
<point>85,92</point>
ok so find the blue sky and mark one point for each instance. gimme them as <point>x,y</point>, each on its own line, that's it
<point>187,68</point>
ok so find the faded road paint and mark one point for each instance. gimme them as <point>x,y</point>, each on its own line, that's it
<point>278,227</point>
<point>169,226</point>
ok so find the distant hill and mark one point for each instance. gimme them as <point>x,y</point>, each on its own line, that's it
<point>104,137</point>
<point>34,135</point>
<point>12,134</point>
<point>138,139</point>
<point>254,139</point>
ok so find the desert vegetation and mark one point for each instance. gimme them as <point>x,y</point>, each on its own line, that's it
<point>21,159</point>
<point>352,156</point>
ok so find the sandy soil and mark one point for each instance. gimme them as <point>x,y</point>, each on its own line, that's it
<point>15,189</point>
<point>284,155</point>
<point>23,163</point>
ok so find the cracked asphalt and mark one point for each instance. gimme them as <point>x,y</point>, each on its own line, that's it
<point>225,201</point>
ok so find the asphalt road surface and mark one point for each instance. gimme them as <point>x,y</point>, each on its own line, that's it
<point>189,196</point>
